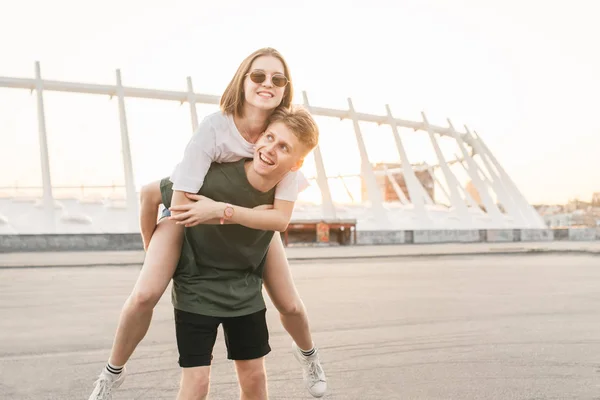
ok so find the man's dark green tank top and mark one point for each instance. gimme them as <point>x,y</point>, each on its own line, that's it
<point>220,269</point>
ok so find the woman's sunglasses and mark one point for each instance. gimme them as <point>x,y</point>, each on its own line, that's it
<point>278,80</point>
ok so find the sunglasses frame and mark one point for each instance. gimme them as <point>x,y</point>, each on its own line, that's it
<point>277,74</point>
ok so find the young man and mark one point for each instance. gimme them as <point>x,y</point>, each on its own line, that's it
<point>218,279</point>
<point>279,153</point>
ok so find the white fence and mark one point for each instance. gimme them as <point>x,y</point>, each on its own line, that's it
<point>416,211</point>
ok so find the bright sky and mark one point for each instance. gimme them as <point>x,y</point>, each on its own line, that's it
<point>522,73</point>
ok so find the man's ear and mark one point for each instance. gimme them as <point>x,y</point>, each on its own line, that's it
<point>298,165</point>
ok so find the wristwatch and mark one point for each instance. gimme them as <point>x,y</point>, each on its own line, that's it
<point>227,213</point>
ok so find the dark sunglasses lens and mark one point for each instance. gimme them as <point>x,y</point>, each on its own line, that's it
<point>279,80</point>
<point>258,77</point>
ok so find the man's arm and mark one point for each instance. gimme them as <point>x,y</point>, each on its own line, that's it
<point>276,219</point>
<point>207,211</point>
<point>217,221</point>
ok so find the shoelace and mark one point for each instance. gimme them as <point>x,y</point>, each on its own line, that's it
<point>103,383</point>
<point>315,371</point>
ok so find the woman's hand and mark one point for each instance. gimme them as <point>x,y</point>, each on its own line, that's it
<point>204,209</point>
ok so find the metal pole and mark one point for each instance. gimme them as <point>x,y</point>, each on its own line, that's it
<point>442,188</point>
<point>465,193</point>
<point>455,199</point>
<point>416,191</point>
<point>348,192</point>
<point>500,188</point>
<point>534,218</point>
<point>192,101</point>
<point>397,189</point>
<point>367,172</point>
<point>130,192</point>
<point>327,201</point>
<point>471,168</point>
<point>48,198</point>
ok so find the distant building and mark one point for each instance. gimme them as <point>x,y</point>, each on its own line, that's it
<point>559,220</point>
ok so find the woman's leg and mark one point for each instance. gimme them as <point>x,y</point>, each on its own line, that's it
<point>159,265</point>
<point>282,291</point>
<point>158,269</point>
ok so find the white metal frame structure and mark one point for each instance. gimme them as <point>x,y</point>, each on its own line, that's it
<point>488,175</point>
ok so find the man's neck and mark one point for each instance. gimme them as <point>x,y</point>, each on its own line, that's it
<point>253,123</point>
<point>258,182</point>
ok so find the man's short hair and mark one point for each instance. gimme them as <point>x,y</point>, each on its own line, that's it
<point>300,122</point>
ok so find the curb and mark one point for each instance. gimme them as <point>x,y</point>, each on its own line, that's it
<point>460,254</point>
<point>503,252</point>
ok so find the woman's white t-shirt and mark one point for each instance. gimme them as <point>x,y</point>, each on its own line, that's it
<point>217,139</point>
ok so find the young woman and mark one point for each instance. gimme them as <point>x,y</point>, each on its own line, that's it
<point>261,85</point>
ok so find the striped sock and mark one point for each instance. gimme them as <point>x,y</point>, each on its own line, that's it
<point>111,369</point>
<point>308,353</point>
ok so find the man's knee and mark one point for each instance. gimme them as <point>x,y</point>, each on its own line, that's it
<point>253,380</point>
<point>196,390</point>
<point>195,385</point>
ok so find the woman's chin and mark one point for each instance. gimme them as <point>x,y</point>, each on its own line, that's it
<point>264,104</point>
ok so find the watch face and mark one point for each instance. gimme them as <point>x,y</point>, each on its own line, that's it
<point>229,212</point>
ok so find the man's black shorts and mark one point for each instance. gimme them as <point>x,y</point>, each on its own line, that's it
<point>246,337</point>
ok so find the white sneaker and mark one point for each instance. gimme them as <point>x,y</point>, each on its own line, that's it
<point>105,384</point>
<point>312,371</point>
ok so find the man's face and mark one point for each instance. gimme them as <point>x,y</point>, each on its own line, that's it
<point>278,151</point>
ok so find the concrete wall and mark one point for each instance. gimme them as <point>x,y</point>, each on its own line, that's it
<point>380,237</point>
<point>132,241</point>
<point>536,235</point>
<point>561,233</point>
<point>583,234</point>
<point>446,236</point>
<point>501,235</point>
<point>85,242</point>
